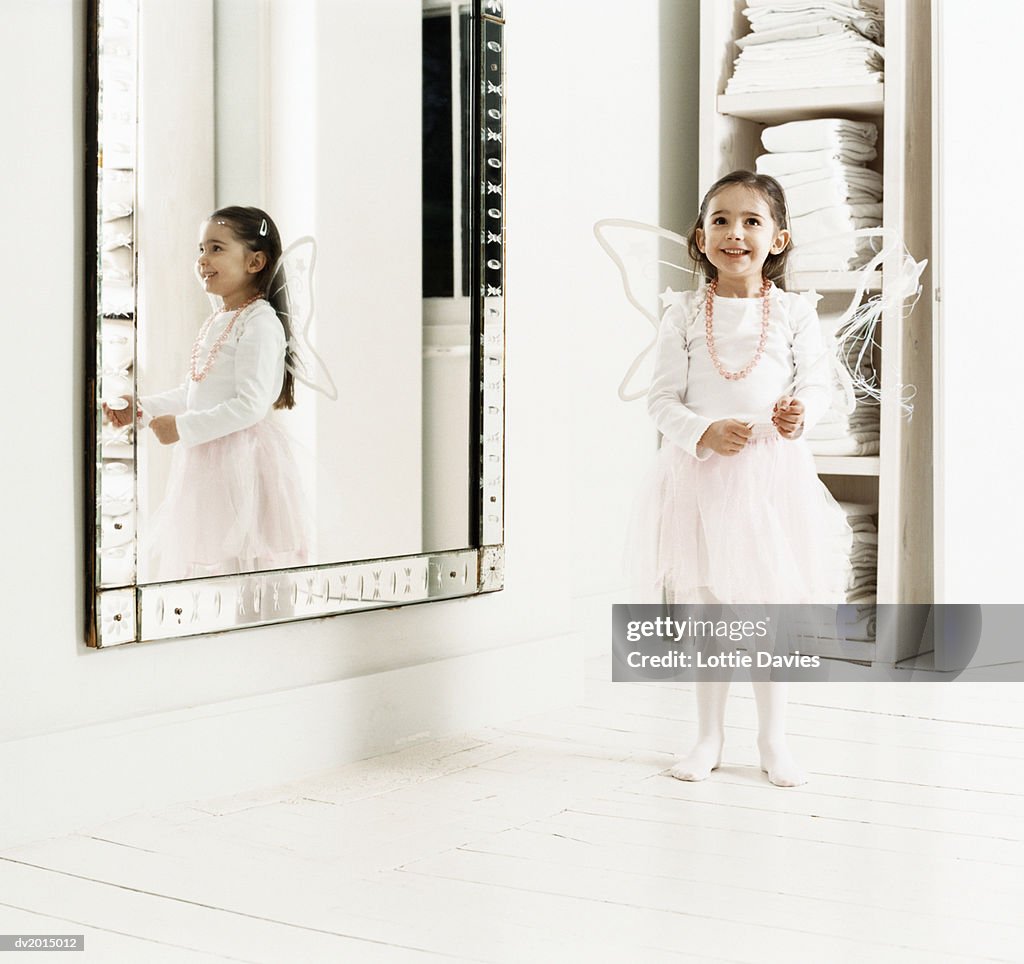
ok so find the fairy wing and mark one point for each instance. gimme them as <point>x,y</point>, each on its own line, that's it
<point>654,268</point>
<point>291,293</point>
<point>856,330</point>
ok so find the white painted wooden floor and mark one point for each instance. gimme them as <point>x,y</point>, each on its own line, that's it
<point>561,838</point>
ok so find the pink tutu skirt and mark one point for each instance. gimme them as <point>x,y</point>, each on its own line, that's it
<point>755,527</point>
<point>232,505</point>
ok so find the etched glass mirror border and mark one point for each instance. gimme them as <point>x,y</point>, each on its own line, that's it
<point>119,609</point>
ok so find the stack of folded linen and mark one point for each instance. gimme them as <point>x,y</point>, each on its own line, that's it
<point>829,191</point>
<point>809,43</point>
<point>862,587</point>
<point>851,140</point>
<point>858,622</point>
<point>838,433</point>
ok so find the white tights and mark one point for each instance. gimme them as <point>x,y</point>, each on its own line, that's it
<point>706,754</point>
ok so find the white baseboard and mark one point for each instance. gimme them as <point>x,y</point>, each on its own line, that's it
<point>61,782</point>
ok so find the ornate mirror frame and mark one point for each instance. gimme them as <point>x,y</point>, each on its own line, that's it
<point>120,610</point>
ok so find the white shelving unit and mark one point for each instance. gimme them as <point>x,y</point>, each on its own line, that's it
<point>770,108</point>
<point>848,465</point>
<point>900,476</point>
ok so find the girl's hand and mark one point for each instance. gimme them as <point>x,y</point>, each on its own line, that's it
<point>119,416</point>
<point>165,428</point>
<point>788,416</point>
<point>727,436</point>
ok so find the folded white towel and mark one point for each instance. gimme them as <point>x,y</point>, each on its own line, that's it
<point>863,552</point>
<point>864,562</point>
<point>829,261</point>
<point>853,177</point>
<point>862,8</point>
<point>829,59</point>
<point>834,223</point>
<point>862,610</point>
<point>826,428</point>
<point>802,261</point>
<point>849,47</point>
<point>845,42</point>
<point>844,446</point>
<point>862,583</point>
<point>825,431</point>
<point>865,17</point>
<point>861,596</point>
<point>845,244</point>
<point>828,433</point>
<point>830,71</point>
<point>862,415</point>
<point>781,25</point>
<point>861,564</point>
<point>830,254</point>
<point>820,134</point>
<point>789,162</point>
<point>815,195</point>
<point>861,630</point>
<point>852,508</point>
<point>795,31</point>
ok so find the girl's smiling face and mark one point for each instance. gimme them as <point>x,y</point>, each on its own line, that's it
<point>737,236</point>
<point>225,266</point>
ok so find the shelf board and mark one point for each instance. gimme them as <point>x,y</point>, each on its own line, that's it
<point>833,281</point>
<point>847,464</point>
<point>829,647</point>
<point>779,106</point>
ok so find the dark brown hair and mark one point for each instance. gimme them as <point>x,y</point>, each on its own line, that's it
<point>256,230</point>
<point>771,192</point>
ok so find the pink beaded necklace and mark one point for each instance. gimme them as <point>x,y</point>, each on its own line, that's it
<point>709,320</point>
<point>196,374</point>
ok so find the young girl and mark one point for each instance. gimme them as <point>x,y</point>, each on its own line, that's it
<point>234,500</point>
<point>741,372</point>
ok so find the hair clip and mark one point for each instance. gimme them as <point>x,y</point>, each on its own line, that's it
<point>263,228</point>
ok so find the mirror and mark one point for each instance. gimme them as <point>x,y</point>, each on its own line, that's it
<point>375,129</point>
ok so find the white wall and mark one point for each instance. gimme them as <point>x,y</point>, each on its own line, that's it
<point>633,94</point>
<point>95,733</point>
<point>979,522</point>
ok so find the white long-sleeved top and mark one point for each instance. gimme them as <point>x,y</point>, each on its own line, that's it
<point>687,392</point>
<point>241,386</point>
